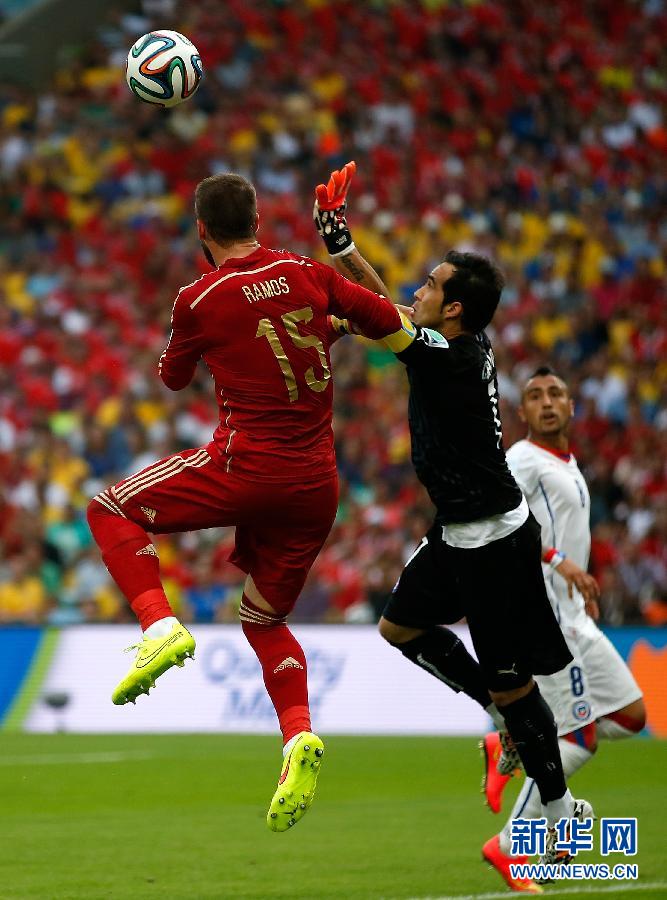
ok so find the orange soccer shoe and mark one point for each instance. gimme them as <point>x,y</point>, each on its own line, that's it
<point>500,861</point>
<point>493,783</point>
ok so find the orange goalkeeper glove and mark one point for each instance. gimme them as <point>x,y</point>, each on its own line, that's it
<point>329,211</point>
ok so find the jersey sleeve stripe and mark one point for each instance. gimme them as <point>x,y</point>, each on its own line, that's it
<point>554,543</point>
<point>278,262</point>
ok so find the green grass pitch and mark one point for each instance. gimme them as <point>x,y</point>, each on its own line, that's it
<point>170,817</point>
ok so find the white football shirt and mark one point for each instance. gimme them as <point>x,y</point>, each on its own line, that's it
<point>558,498</point>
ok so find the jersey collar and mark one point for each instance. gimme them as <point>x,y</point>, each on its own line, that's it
<point>566,457</point>
<point>244,262</point>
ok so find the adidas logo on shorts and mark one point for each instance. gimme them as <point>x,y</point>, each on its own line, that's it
<point>289,663</point>
<point>149,513</point>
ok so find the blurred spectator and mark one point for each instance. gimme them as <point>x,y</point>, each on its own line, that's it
<point>205,599</point>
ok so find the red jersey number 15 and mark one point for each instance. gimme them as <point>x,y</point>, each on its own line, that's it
<point>290,321</point>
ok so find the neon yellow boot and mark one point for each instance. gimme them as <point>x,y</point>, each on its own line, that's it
<point>155,656</point>
<point>296,787</point>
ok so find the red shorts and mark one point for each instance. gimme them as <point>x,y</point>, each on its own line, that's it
<point>280,527</point>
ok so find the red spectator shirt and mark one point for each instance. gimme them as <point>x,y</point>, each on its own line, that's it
<point>260,324</point>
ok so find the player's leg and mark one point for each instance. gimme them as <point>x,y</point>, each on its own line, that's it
<point>516,635</point>
<point>564,692</point>
<point>281,656</point>
<point>576,749</point>
<point>438,651</point>
<point>277,556</point>
<point>623,723</point>
<point>618,702</point>
<point>597,679</point>
<point>423,597</point>
<point>567,694</point>
<point>179,493</point>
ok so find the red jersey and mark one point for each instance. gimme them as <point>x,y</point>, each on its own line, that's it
<point>260,324</point>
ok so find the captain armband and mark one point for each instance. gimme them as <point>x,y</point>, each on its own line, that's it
<point>400,340</point>
<point>553,558</point>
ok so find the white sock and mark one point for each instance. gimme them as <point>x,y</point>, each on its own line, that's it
<point>161,628</point>
<point>613,731</point>
<point>558,809</point>
<point>493,711</point>
<point>528,804</point>
<point>292,741</point>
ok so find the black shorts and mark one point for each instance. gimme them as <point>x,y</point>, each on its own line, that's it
<point>499,589</point>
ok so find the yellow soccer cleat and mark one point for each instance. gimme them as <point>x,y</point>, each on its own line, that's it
<point>297,783</point>
<point>155,656</point>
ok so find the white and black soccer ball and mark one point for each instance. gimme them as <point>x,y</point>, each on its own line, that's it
<point>164,68</point>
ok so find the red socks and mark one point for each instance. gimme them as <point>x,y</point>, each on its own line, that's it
<point>132,562</point>
<point>283,665</point>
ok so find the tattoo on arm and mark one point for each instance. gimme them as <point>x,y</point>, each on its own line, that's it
<point>353,268</point>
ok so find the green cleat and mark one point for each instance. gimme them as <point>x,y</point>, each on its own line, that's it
<point>155,656</point>
<point>297,783</point>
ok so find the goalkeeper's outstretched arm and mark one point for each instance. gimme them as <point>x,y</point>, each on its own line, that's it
<point>355,267</point>
<point>329,216</point>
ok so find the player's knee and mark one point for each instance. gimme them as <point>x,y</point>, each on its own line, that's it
<point>507,697</point>
<point>640,715</point>
<point>100,519</point>
<point>632,717</point>
<point>396,634</point>
<point>111,529</point>
<point>386,629</point>
<point>255,619</point>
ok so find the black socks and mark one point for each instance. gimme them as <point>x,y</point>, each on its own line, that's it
<point>531,725</point>
<point>441,653</point>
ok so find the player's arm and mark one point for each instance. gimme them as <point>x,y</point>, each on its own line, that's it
<point>414,346</point>
<point>181,355</point>
<point>575,577</point>
<point>331,224</point>
<point>355,267</point>
<point>527,477</point>
<point>355,311</point>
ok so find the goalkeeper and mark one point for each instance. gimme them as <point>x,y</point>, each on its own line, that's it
<point>482,557</point>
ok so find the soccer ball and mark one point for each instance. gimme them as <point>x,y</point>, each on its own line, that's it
<point>164,68</point>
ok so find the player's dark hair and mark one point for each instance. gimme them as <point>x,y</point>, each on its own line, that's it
<point>542,371</point>
<point>227,206</point>
<point>477,284</point>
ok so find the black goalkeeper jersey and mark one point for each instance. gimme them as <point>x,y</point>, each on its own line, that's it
<point>455,427</point>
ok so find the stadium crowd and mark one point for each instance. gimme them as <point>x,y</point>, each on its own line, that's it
<point>535,133</point>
